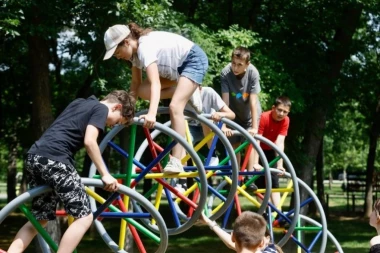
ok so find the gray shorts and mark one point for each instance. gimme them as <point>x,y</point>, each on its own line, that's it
<point>66,184</point>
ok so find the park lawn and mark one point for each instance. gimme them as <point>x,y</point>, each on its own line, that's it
<point>352,231</point>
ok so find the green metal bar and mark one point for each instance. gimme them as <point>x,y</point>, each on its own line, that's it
<point>39,228</point>
<point>299,234</point>
<point>131,150</point>
<point>237,150</point>
<point>251,180</point>
<point>202,157</point>
<point>137,225</point>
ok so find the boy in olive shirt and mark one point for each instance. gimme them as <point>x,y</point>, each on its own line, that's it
<point>240,82</point>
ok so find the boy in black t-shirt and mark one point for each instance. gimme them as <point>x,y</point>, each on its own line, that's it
<point>50,161</point>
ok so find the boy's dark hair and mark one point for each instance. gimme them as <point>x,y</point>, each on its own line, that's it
<point>249,230</point>
<point>126,100</point>
<point>376,208</point>
<point>242,53</point>
<point>282,100</point>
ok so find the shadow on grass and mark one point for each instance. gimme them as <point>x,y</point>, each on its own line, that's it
<point>352,232</point>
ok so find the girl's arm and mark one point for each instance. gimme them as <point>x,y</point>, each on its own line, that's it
<point>155,87</point>
<point>155,93</point>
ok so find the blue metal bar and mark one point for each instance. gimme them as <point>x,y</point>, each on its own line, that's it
<point>125,215</point>
<point>106,204</point>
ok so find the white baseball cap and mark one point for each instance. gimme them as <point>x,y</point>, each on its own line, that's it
<point>113,36</point>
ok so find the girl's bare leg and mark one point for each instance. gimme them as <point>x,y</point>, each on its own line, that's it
<point>181,96</point>
<point>168,88</point>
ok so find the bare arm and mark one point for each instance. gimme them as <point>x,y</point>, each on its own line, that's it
<point>155,94</point>
<point>280,143</point>
<point>92,148</point>
<point>136,81</point>
<point>253,105</point>
<point>223,235</point>
<point>256,164</point>
<point>155,87</point>
<point>225,112</point>
<point>226,98</point>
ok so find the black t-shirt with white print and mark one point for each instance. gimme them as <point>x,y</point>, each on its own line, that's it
<point>66,135</point>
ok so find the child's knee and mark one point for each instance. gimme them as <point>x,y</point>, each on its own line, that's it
<point>43,223</point>
<point>176,109</point>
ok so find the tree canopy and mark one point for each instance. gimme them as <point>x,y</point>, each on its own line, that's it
<point>324,55</point>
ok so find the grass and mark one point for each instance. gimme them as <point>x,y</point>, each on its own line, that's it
<point>352,232</point>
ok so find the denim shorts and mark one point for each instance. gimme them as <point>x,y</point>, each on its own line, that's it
<point>196,133</point>
<point>195,65</point>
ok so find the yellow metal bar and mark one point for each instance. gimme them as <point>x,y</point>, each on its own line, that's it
<point>199,145</point>
<point>241,190</point>
<point>123,225</point>
<point>275,190</point>
<point>161,175</point>
<point>285,195</point>
<point>70,219</point>
<point>157,201</point>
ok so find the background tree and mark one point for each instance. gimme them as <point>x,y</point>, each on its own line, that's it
<point>323,55</point>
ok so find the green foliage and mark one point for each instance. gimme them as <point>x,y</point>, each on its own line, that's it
<point>10,20</point>
<point>346,144</point>
<point>290,45</point>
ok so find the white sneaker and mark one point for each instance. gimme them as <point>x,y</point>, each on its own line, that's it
<point>214,161</point>
<point>178,187</point>
<point>174,166</point>
<point>196,101</point>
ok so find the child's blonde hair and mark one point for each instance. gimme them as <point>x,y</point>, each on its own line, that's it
<point>249,229</point>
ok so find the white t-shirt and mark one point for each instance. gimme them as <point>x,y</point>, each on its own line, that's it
<point>211,102</point>
<point>168,50</point>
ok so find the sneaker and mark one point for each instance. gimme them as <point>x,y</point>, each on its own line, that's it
<point>251,186</point>
<point>174,166</point>
<point>214,161</point>
<point>196,101</point>
<point>180,188</point>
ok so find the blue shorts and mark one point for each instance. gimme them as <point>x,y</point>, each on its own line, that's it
<point>195,65</point>
<point>196,133</point>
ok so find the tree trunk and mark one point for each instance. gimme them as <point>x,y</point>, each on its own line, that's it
<point>230,12</point>
<point>320,177</point>
<point>12,169</point>
<point>254,12</point>
<point>192,9</point>
<point>42,117</point>
<point>373,137</point>
<point>337,53</point>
